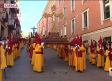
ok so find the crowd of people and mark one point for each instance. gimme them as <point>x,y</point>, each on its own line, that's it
<point>75,53</point>
<point>9,51</point>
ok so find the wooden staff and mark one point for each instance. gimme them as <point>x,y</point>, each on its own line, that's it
<point>5,73</point>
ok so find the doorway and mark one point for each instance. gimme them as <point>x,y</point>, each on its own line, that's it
<point>108,38</point>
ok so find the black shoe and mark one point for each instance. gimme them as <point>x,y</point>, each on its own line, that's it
<point>9,66</point>
<point>73,66</point>
<point>40,72</point>
<point>80,71</point>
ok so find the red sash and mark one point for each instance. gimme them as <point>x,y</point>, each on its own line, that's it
<point>38,52</point>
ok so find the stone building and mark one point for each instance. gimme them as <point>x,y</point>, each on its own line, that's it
<point>10,19</point>
<point>88,18</point>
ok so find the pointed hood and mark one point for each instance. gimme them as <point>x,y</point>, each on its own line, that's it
<point>101,46</point>
<point>100,42</point>
<point>92,47</point>
<point>74,41</point>
<point>38,40</point>
<point>81,40</point>
<point>78,41</point>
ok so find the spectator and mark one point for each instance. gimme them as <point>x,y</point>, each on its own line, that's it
<point>4,42</point>
<point>87,46</point>
<point>104,45</point>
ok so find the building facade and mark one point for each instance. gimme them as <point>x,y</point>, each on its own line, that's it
<point>10,19</point>
<point>88,18</point>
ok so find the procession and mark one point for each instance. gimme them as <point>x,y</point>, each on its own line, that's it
<point>10,52</point>
<point>69,41</point>
<point>74,53</point>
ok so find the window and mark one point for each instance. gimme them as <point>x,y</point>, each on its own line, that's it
<point>58,3</point>
<point>65,11</point>
<point>106,9</point>
<point>58,19</point>
<point>59,31</point>
<point>43,30</point>
<point>72,25</point>
<point>72,5</point>
<point>48,28</point>
<point>85,19</point>
<point>64,29</point>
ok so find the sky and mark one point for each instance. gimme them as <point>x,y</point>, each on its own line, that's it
<point>31,13</point>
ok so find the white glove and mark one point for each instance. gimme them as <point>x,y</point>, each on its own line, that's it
<point>2,67</point>
<point>78,46</point>
<point>9,47</point>
<point>100,48</point>
<point>108,51</point>
<point>42,43</point>
<point>75,46</point>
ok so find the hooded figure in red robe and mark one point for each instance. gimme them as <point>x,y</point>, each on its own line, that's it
<point>79,57</point>
<point>38,60</point>
<point>10,60</point>
<point>108,54</point>
<point>100,49</point>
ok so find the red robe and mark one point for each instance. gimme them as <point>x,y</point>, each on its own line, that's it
<point>31,51</point>
<point>110,54</point>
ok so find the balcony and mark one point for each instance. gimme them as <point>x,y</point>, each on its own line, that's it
<point>18,10</point>
<point>11,24</point>
<point>13,10</point>
<point>5,16</point>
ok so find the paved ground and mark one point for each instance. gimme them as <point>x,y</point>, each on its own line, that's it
<point>55,70</point>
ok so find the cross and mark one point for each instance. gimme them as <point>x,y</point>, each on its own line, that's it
<point>33,30</point>
<point>53,15</point>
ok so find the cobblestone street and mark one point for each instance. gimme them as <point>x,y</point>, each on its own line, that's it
<point>55,70</point>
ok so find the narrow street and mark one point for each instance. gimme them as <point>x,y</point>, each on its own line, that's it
<point>55,70</point>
